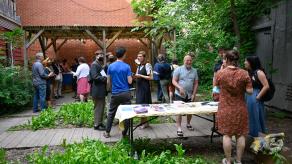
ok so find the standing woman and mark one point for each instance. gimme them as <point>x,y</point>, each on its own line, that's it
<point>232,115</point>
<point>47,63</point>
<point>260,86</point>
<point>83,87</point>
<point>143,76</point>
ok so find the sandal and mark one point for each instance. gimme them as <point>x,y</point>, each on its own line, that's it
<point>236,162</point>
<point>190,128</point>
<point>224,161</point>
<point>180,133</point>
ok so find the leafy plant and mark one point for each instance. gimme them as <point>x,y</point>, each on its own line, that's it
<point>15,40</point>
<point>91,151</point>
<point>79,114</point>
<point>2,156</point>
<point>16,89</point>
<point>46,119</point>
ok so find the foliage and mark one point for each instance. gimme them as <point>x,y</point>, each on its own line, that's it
<point>15,40</point>
<point>2,156</point>
<point>91,151</point>
<point>79,114</point>
<point>46,119</point>
<point>201,26</point>
<point>16,88</point>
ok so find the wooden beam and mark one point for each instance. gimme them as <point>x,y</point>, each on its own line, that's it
<point>110,42</point>
<point>34,38</point>
<point>94,38</point>
<point>60,46</point>
<point>145,44</point>
<point>49,45</point>
<point>55,44</point>
<point>42,43</point>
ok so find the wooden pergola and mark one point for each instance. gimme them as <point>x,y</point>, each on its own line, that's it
<point>102,36</point>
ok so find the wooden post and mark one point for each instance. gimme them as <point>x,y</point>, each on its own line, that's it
<point>25,58</point>
<point>42,43</point>
<point>104,46</point>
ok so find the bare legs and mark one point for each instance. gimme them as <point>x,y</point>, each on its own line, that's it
<point>178,121</point>
<point>227,146</point>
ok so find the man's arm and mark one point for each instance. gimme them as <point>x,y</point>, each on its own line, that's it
<point>42,72</point>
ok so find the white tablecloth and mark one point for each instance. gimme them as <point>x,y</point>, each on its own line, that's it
<point>177,108</point>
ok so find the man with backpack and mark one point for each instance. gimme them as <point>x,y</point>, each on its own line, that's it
<point>163,70</point>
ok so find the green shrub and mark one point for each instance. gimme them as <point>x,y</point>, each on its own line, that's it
<point>46,119</point>
<point>15,87</point>
<point>79,114</point>
<point>91,151</point>
<point>2,156</point>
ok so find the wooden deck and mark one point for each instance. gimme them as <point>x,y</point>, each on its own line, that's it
<point>27,139</point>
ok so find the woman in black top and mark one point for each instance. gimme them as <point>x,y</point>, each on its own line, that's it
<point>143,77</point>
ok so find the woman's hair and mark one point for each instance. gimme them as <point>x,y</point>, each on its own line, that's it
<point>254,63</point>
<point>143,53</point>
<point>81,59</point>
<point>232,57</point>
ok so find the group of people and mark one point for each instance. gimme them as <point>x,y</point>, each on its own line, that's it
<point>239,91</point>
<point>241,110</point>
<point>47,81</point>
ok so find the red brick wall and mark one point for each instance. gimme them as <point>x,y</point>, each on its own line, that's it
<point>75,48</point>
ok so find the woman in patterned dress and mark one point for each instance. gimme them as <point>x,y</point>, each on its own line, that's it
<point>232,115</point>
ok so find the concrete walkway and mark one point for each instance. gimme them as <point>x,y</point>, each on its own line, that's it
<point>26,138</point>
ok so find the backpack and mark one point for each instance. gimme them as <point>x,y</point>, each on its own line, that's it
<point>271,91</point>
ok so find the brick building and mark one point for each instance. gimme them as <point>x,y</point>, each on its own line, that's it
<point>66,29</point>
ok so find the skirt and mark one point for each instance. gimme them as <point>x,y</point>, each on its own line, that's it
<point>256,114</point>
<point>83,87</point>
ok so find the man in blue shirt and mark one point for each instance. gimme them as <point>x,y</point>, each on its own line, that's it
<point>119,77</point>
<point>39,82</point>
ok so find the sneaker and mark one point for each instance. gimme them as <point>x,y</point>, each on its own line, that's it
<point>100,127</point>
<point>106,135</point>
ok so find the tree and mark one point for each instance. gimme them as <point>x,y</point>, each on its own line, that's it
<point>14,39</point>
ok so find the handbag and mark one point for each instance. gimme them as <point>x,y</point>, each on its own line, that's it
<point>58,77</point>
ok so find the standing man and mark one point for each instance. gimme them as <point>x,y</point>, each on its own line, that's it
<point>163,70</point>
<point>185,80</point>
<point>98,91</point>
<point>119,78</point>
<point>143,77</point>
<point>39,82</point>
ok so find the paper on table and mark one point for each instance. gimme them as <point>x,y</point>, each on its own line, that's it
<point>102,73</point>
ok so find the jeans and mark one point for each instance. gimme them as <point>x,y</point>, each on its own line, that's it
<point>164,87</point>
<point>39,95</point>
<point>159,91</point>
